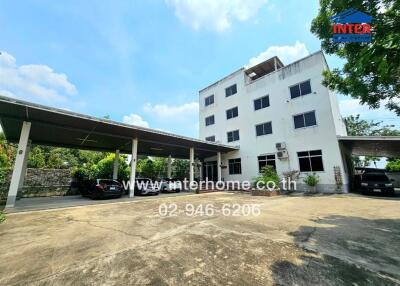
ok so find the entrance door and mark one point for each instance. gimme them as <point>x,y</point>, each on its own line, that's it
<point>210,170</point>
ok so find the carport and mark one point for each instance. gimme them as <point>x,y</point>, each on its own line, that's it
<point>377,146</point>
<point>380,146</point>
<point>25,123</point>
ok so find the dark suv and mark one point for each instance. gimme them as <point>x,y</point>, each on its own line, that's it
<point>376,183</point>
<point>103,188</point>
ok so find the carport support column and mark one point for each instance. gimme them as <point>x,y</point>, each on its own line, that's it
<point>116,165</point>
<point>169,170</point>
<point>219,163</point>
<point>133,168</point>
<point>20,165</point>
<point>191,166</point>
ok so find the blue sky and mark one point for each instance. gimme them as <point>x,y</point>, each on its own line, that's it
<point>143,62</point>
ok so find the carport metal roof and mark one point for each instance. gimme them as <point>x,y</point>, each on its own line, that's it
<point>57,127</point>
<point>383,146</point>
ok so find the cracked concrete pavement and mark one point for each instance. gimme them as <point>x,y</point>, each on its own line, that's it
<point>325,240</point>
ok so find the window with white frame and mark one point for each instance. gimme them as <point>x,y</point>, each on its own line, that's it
<point>230,90</point>
<point>210,120</point>
<point>235,166</point>
<point>304,120</point>
<point>266,160</point>
<point>233,135</point>
<point>209,100</point>
<point>210,138</point>
<point>310,161</point>
<point>300,89</point>
<point>262,102</point>
<point>264,128</point>
<point>231,113</point>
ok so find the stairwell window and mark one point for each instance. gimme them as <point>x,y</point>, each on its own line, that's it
<point>300,89</point>
<point>304,120</point>
<point>230,90</point>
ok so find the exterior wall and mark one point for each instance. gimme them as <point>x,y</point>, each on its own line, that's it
<point>280,112</point>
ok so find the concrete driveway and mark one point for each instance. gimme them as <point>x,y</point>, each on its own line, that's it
<point>323,240</point>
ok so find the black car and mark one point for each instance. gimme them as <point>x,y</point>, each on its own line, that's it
<point>103,188</point>
<point>376,183</point>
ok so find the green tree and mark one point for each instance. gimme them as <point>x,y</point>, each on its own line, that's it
<point>180,169</point>
<point>393,166</point>
<point>104,168</point>
<point>7,152</point>
<point>268,174</point>
<point>36,158</point>
<point>371,71</point>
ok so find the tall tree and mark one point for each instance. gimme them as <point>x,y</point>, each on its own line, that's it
<point>372,71</point>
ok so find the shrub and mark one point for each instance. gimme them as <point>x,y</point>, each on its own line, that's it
<point>104,168</point>
<point>393,166</point>
<point>311,180</point>
<point>81,173</point>
<point>2,217</point>
<point>268,174</point>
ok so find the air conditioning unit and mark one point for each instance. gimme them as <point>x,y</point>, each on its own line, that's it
<point>282,154</point>
<point>280,146</point>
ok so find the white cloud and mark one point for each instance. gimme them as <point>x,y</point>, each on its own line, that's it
<point>178,111</point>
<point>135,119</point>
<point>353,106</point>
<point>33,81</point>
<point>215,14</point>
<point>287,54</point>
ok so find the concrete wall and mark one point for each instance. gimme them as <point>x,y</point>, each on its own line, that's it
<point>396,177</point>
<point>280,112</point>
<point>41,183</point>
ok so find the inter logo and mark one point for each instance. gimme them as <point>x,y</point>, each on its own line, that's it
<point>351,26</point>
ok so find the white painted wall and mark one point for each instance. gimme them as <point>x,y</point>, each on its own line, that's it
<point>280,112</point>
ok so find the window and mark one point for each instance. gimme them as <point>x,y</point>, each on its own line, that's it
<point>230,90</point>
<point>210,138</point>
<point>235,166</point>
<point>304,120</point>
<point>264,129</point>
<point>266,160</point>
<point>233,135</point>
<point>310,161</point>
<point>210,120</point>
<point>209,100</point>
<point>300,89</point>
<point>262,102</point>
<point>231,113</point>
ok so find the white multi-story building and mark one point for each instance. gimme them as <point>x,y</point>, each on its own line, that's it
<point>267,105</point>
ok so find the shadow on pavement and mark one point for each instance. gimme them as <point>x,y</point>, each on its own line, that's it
<point>344,251</point>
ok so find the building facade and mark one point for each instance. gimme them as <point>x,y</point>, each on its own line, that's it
<point>278,115</point>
